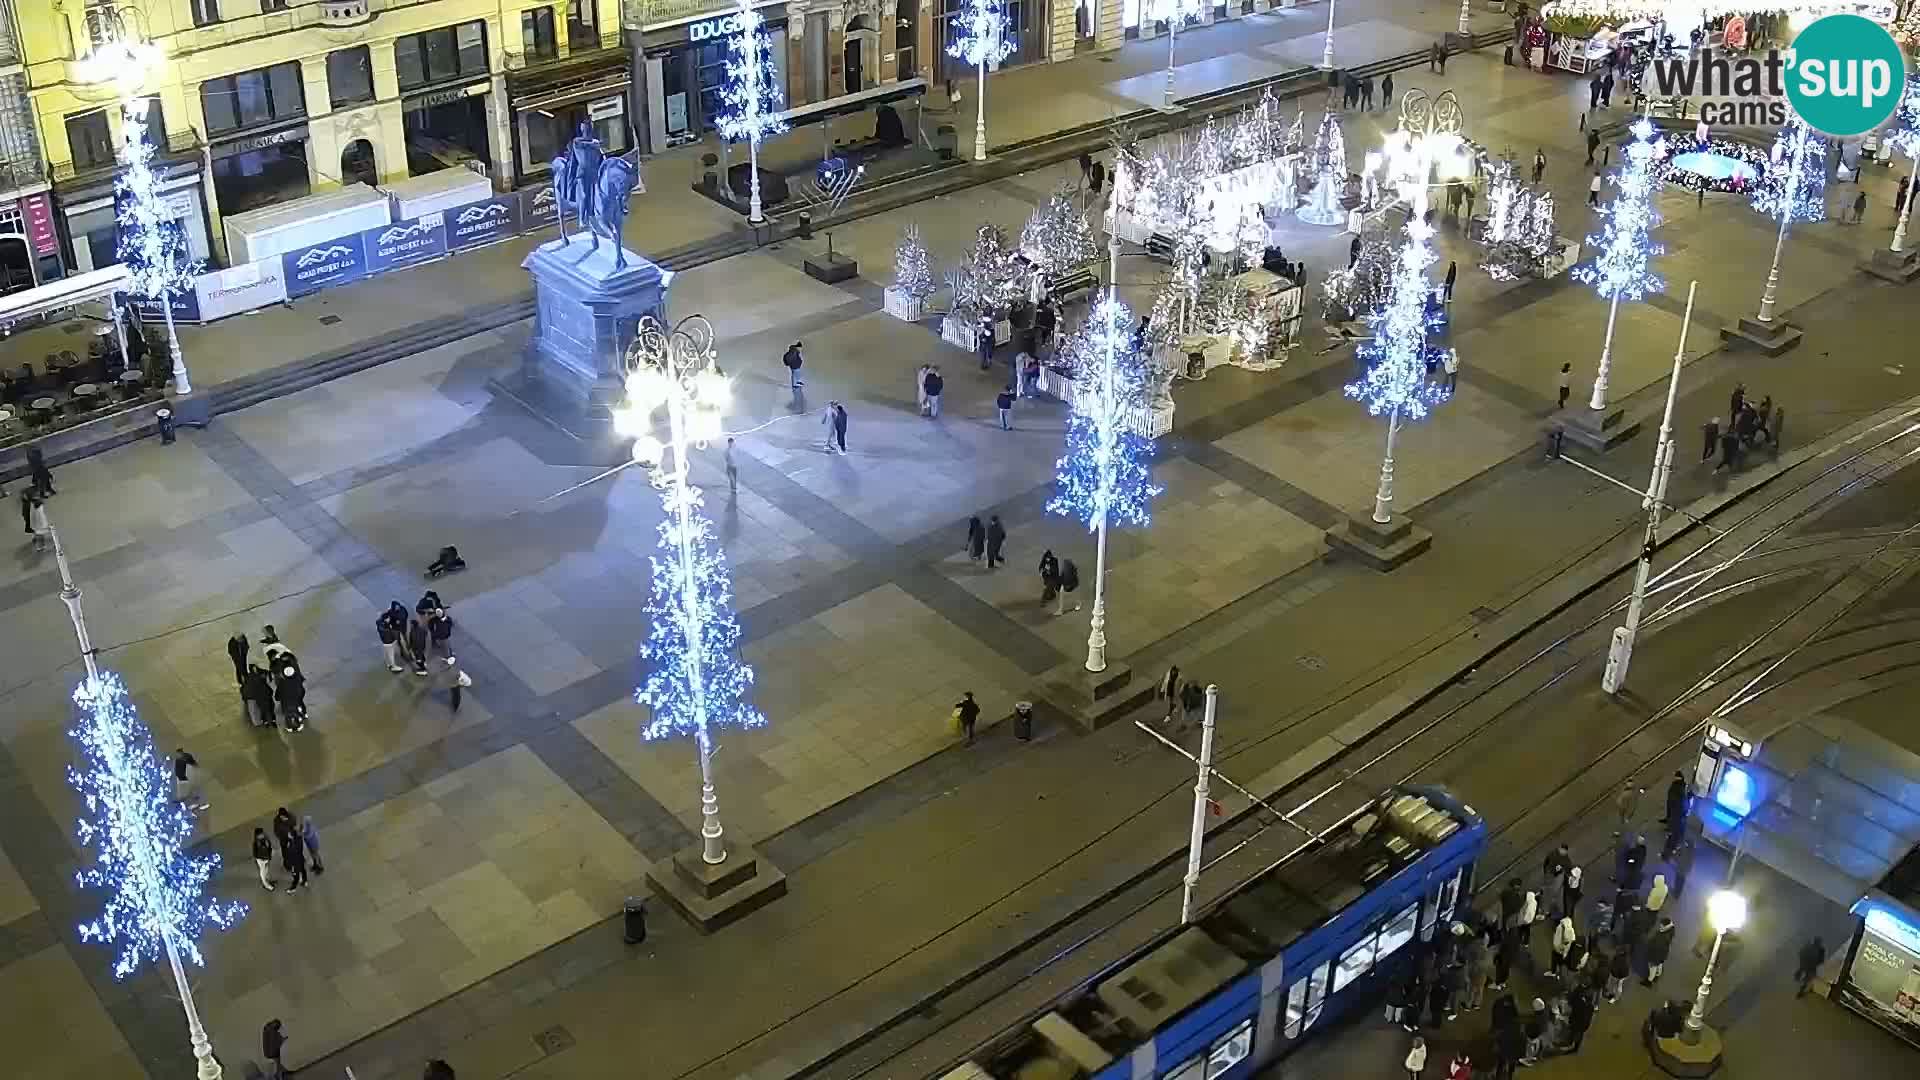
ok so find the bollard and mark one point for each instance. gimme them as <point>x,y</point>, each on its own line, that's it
<point>1023,720</point>
<point>163,420</point>
<point>635,920</point>
<point>803,224</point>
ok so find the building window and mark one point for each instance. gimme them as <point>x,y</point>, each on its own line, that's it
<point>205,12</point>
<point>536,34</point>
<point>350,76</point>
<point>267,6</point>
<point>252,98</point>
<point>90,140</point>
<point>583,24</point>
<point>451,52</point>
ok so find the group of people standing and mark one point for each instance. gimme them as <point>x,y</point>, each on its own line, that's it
<point>1751,426</point>
<point>275,694</point>
<point>424,641</point>
<point>1358,91</point>
<point>299,848</point>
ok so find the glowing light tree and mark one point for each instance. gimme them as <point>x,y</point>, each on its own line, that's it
<point>1364,286</point>
<point>156,905</point>
<point>752,98</point>
<point>695,681</point>
<point>1793,189</point>
<point>1057,238</point>
<point>980,38</point>
<point>1904,134</point>
<point>151,244</point>
<point>1102,478</point>
<point>1622,270</point>
<point>1328,160</point>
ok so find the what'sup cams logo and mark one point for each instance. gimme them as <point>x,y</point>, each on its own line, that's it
<point>1843,77</point>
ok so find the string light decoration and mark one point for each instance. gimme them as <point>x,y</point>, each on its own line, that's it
<point>1904,136</point>
<point>1620,12</point>
<point>980,38</point>
<point>1530,240</point>
<point>991,281</point>
<point>1674,169</point>
<point>1328,161</point>
<point>751,100</point>
<point>151,243</point>
<point>156,905</point>
<point>1364,286</point>
<point>912,267</point>
<point>1057,237</point>
<point>1396,380</point>
<point>695,680</point>
<point>1103,477</point>
<point>1794,186</point>
<point>1623,271</point>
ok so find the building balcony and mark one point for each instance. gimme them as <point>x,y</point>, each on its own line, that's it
<point>576,51</point>
<point>17,176</point>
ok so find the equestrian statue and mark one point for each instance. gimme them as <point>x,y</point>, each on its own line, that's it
<point>596,188</point>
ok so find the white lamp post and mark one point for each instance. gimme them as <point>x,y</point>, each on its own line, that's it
<point>1464,11</point>
<point>1900,226</point>
<point>1326,50</point>
<point>1727,912</point>
<point>1199,833</point>
<point>981,40</point>
<point>1787,210</point>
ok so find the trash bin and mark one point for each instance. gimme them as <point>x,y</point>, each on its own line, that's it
<point>803,224</point>
<point>163,419</point>
<point>1023,720</point>
<point>636,919</point>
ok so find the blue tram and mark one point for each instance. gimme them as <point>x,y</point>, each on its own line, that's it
<point>1297,945</point>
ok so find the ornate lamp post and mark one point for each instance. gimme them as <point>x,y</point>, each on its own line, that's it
<point>1727,912</point>
<point>1326,50</point>
<point>980,38</point>
<point>695,680</point>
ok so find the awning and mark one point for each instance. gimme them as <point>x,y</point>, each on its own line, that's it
<point>94,286</point>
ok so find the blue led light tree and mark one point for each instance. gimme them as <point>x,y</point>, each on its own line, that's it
<point>1623,268</point>
<point>150,242</point>
<point>1793,189</point>
<point>751,99</point>
<point>156,905</point>
<point>695,680</point>
<point>1102,479</point>
<point>980,38</point>
<point>1904,135</point>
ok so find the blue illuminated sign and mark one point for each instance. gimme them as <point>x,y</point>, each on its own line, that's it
<point>1735,793</point>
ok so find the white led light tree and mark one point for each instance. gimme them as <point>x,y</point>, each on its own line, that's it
<point>1904,135</point>
<point>1623,269</point>
<point>1057,238</point>
<point>151,244</point>
<point>1793,189</point>
<point>751,100</point>
<point>980,38</point>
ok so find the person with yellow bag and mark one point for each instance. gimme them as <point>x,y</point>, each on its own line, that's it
<point>966,713</point>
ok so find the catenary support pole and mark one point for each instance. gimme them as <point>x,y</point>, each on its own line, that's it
<point>1201,781</point>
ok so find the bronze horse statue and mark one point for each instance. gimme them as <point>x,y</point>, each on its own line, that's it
<point>596,188</point>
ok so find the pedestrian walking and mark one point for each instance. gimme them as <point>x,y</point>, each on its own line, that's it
<point>1451,361</point>
<point>1168,690</point>
<point>1049,572</point>
<point>834,419</point>
<point>977,538</point>
<point>1193,701</point>
<point>983,341</point>
<point>1729,452</point>
<point>1812,955</point>
<point>1627,803</point>
<point>1479,969</point>
<point>1453,272</point>
<point>1679,800</point>
<point>933,385</point>
<point>1774,428</point>
<point>186,780</point>
<point>1353,251</point>
<point>1570,891</point>
<point>1566,385</point>
<point>1004,403</point>
<point>237,652</point>
<point>450,678</point>
<point>310,839</point>
<point>1593,94</point>
<point>1606,91</point>
<point>1682,866</point>
<point>293,856</point>
<point>1562,942</point>
<point>273,1043</point>
<point>1619,967</point>
<point>1659,945</point>
<point>39,477</point>
<point>1069,584</point>
<point>1860,207</point>
<point>967,712</point>
<point>417,644</point>
<point>1555,865</point>
<point>1737,401</point>
<point>1593,190</point>
<point>1438,1000</point>
<point>996,541</point>
<point>1709,439</point>
<point>1580,1007</point>
<point>733,470</point>
<point>1386,91</point>
<point>1593,143</point>
<point>1633,863</point>
<point>793,359</point>
<point>263,857</point>
<point>1539,164</point>
<point>1366,93</point>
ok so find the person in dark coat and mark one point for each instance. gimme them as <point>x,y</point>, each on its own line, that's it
<point>417,645</point>
<point>977,538</point>
<point>996,540</point>
<point>290,690</point>
<point>40,478</point>
<point>1737,400</point>
<point>390,635</point>
<point>1510,1043</point>
<point>273,1043</point>
<point>1453,271</point>
<point>933,384</point>
<point>1439,1001</point>
<point>257,691</point>
<point>263,857</point>
<point>1635,866</point>
<point>1049,575</point>
<point>1193,700</point>
<point>440,632</point>
<point>1682,866</point>
<point>1812,955</point>
<point>1386,91</point>
<point>1659,945</point>
<point>1579,1017</point>
<point>285,829</point>
<point>968,711</point>
<point>1709,438</point>
<point>237,652</point>
<point>293,856</point>
<point>793,359</point>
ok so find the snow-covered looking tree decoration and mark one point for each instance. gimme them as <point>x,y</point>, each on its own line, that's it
<point>912,268</point>
<point>1364,286</point>
<point>751,100</point>
<point>1795,183</point>
<point>1396,381</point>
<point>1330,149</point>
<point>150,243</point>
<point>156,905</point>
<point>1057,236</point>
<point>1530,238</point>
<point>1328,162</point>
<point>1103,479</point>
<point>1625,243</point>
<point>992,280</point>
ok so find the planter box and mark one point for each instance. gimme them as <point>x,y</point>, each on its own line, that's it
<point>904,306</point>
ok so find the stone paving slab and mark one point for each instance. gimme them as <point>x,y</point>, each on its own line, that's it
<point>59,1031</point>
<point>1368,38</point>
<point>16,900</point>
<point>853,695</point>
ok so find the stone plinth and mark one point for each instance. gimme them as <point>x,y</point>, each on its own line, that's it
<point>1091,700</point>
<point>1898,267</point>
<point>1601,429</point>
<point>586,315</point>
<point>1382,547</point>
<point>711,895</point>
<point>1772,338</point>
<point>1679,1057</point>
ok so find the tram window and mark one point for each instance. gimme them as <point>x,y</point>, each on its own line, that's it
<point>1296,1007</point>
<point>1189,1069</point>
<point>1230,1050</point>
<point>1450,893</point>
<point>1316,993</point>
<point>1428,912</point>
<point>1397,932</point>
<point>1354,962</point>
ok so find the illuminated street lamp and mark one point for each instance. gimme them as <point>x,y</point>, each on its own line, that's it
<point>1726,913</point>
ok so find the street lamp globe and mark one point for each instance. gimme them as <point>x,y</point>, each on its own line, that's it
<point>647,450</point>
<point>714,390</point>
<point>646,388</point>
<point>1727,910</point>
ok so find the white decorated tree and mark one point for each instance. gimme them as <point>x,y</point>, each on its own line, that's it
<point>986,286</point>
<point>1793,189</point>
<point>1364,286</point>
<point>906,298</point>
<point>1528,242</point>
<point>1327,162</point>
<point>1057,238</point>
<point>751,100</point>
<point>151,243</point>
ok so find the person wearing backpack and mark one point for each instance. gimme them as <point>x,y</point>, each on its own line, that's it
<point>793,360</point>
<point>1069,581</point>
<point>1192,700</point>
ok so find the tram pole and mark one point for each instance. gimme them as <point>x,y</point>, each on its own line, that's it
<point>1200,801</point>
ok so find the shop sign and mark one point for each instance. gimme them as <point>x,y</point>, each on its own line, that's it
<point>240,288</point>
<point>186,307</point>
<point>251,143</point>
<point>335,262</point>
<point>483,222</point>
<point>37,212</point>
<point>405,242</point>
<point>606,108</point>
<point>720,26</point>
<point>444,97</point>
<point>663,12</point>
<point>538,207</point>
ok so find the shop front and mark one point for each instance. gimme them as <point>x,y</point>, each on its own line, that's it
<point>1027,32</point>
<point>550,105</point>
<point>685,72</point>
<point>446,127</point>
<point>1881,976</point>
<point>93,228</point>
<point>260,168</point>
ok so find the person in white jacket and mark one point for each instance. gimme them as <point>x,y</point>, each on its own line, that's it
<point>1529,914</point>
<point>1563,938</point>
<point>1416,1058</point>
<point>1657,896</point>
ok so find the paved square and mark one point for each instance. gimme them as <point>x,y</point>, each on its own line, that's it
<point>58,1029</point>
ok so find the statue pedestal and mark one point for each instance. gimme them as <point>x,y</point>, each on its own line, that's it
<point>586,314</point>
